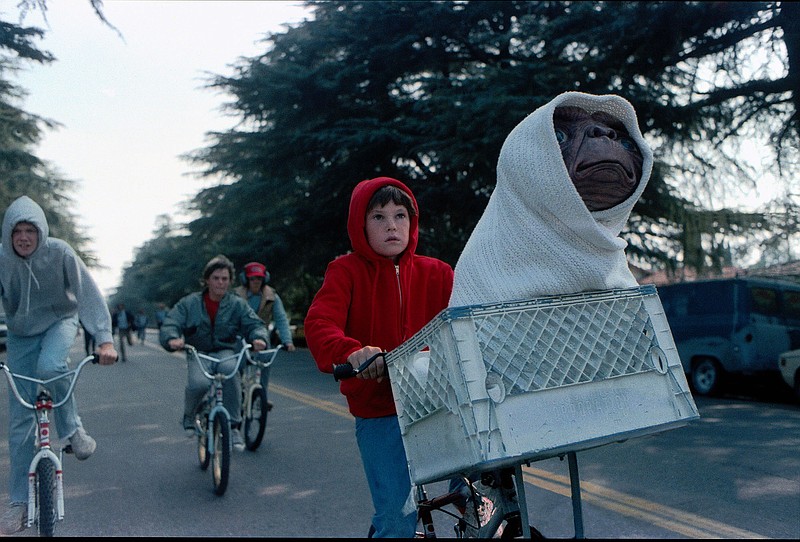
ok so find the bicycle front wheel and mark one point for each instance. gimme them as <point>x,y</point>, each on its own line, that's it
<point>221,459</point>
<point>46,496</point>
<point>202,443</point>
<point>255,422</point>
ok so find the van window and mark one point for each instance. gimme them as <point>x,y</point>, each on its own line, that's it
<point>676,303</point>
<point>712,298</point>
<point>791,304</point>
<point>764,301</point>
<point>704,299</point>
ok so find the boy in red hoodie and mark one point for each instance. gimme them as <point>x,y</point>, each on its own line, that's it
<point>372,300</point>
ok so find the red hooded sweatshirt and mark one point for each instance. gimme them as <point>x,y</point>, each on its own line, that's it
<point>367,300</point>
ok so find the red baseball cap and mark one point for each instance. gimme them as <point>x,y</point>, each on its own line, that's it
<point>255,269</point>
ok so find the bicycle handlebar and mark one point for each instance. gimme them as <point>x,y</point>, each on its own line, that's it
<point>262,363</point>
<point>345,370</point>
<point>244,353</point>
<point>11,377</point>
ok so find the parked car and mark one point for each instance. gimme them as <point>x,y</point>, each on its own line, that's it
<point>3,331</point>
<point>731,326</point>
<point>789,365</point>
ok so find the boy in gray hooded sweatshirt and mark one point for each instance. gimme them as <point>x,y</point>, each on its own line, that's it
<point>45,288</point>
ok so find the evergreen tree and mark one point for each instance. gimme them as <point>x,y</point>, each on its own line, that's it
<point>427,92</point>
<point>21,171</point>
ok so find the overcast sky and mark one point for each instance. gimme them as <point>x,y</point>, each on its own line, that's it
<point>130,107</point>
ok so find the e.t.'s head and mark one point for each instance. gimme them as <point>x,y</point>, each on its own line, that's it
<point>602,159</point>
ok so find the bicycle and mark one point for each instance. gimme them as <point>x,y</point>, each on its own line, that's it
<point>45,474</point>
<point>254,397</point>
<point>495,506</point>
<point>212,420</point>
<point>495,501</point>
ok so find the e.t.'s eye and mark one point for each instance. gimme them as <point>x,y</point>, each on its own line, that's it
<point>629,144</point>
<point>561,136</point>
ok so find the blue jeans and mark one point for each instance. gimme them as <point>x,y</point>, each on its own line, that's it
<point>385,465</point>
<point>40,356</point>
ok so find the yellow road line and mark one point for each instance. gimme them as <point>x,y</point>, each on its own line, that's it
<point>327,406</point>
<point>684,523</point>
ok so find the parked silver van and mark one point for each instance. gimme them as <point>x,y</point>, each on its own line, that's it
<point>731,326</point>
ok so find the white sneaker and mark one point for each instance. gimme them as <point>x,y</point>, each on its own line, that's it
<point>82,444</point>
<point>14,519</point>
<point>238,441</point>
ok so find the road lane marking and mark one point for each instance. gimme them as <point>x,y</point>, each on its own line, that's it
<point>327,406</point>
<point>685,523</point>
<point>671,519</point>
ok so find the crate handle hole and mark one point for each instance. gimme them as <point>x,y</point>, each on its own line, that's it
<point>419,366</point>
<point>659,360</point>
<point>495,388</point>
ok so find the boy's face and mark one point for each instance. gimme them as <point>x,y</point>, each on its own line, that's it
<point>255,284</point>
<point>218,283</point>
<point>24,238</point>
<point>387,229</point>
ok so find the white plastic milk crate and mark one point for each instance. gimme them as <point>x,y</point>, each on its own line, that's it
<point>495,385</point>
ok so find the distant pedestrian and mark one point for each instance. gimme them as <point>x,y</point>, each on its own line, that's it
<point>140,323</point>
<point>161,313</point>
<point>88,340</point>
<point>122,320</point>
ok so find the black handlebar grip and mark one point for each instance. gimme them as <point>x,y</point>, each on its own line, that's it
<point>343,371</point>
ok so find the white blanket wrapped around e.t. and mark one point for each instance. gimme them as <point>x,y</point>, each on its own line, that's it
<point>536,236</point>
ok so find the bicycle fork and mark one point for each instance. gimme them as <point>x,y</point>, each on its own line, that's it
<point>249,385</point>
<point>217,410</point>
<point>44,404</point>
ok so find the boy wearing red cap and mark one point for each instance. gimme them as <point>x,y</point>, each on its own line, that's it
<point>267,304</point>
<point>265,301</point>
<point>372,300</point>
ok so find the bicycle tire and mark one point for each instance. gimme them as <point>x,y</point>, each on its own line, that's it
<point>202,445</point>
<point>46,497</point>
<point>255,422</point>
<point>221,458</point>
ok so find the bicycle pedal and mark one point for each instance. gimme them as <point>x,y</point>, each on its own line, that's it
<point>67,449</point>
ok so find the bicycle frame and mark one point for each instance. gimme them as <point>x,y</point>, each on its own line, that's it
<point>504,488</point>
<point>214,396</point>
<point>251,379</point>
<point>43,405</point>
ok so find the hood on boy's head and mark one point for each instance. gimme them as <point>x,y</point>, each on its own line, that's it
<point>23,209</point>
<point>356,219</point>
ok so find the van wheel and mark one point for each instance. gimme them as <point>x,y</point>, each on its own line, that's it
<point>706,377</point>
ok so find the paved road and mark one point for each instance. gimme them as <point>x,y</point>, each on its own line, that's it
<point>735,473</point>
